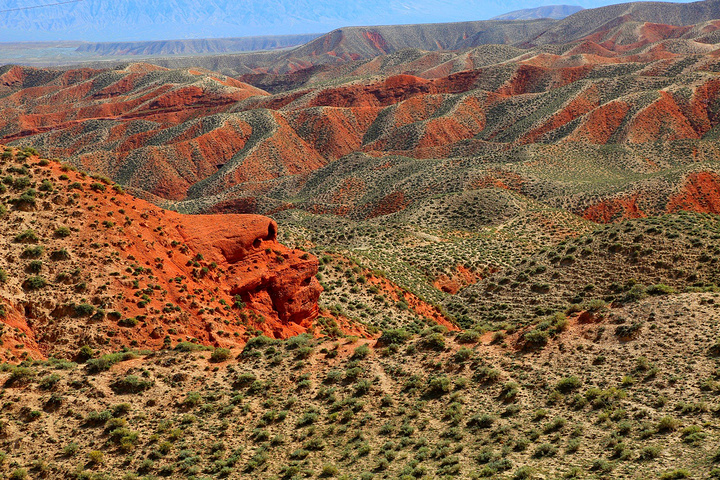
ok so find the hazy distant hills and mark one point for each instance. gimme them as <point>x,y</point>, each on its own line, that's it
<point>556,12</point>
<point>196,46</point>
<point>132,20</point>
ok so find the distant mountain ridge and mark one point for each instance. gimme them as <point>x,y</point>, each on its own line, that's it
<point>587,22</point>
<point>197,46</point>
<point>556,12</point>
<point>132,20</point>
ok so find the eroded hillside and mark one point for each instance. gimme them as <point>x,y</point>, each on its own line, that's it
<point>87,264</point>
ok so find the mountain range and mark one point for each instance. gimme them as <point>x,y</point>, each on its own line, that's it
<point>135,20</point>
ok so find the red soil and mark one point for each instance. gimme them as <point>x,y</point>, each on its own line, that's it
<point>460,278</point>
<point>661,120</point>
<point>613,210</point>
<point>700,193</point>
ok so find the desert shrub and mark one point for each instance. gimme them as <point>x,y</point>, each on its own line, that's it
<point>28,236</point>
<point>523,473</point>
<point>394,337</point>
<point>244,379</point>
<point>60,254</point>
<point>468,336</point>
<point>130,322</point>
<point>18,474</point>
<point>649,452</point>
<point>21,182</point>
<point>568,384</point>
<point>192,400</point>
<point>105,362</point>
<point>675,474</point>
<point>667,424</point>
<point>636,292</point>
<point>35,251</point>
<point>628,332</point>
<point>463,355</point>
<point>509,391</point>
<point>26,200</point>
<point>34,283</point>
<point>486,375</point>
<point>71,449</point>
<point>308,418</point>
<point>35,266</point>
<point>601,465</point>
<point>20,376</point>
<point>434,341</point>
<point>545,450</point>
<point>259,342</point>
<point>439,385</point>
<point>361,351</point>
<point>481,421</point>
<point>329,471</point>
<point>219,355</point>
<point>130,384</point>
<point>96,457</point>
<point>536,338</point>
<point>62,232</point>
<point>48,382</point>
<point>83,310</point>
<point>190,347</point>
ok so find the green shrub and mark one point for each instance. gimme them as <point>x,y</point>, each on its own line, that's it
<point>659,289</point>
<point>20,376</point>
<point>667,424</point>
<point>130,384</point>
<point>62,232</point>
<point>362,351</point>
<point>28,236</point>
<point>101,364</point>
<point>468,336</point>
<point>34,283</point>
<point>535,338</point>
<point>434,341</point>
<point>35,266</point>
<point>96,457</point>
<point>83,310</point>
<point>394,337</point>
<point>439,385</point>
<point>219,355</point>
<point>329,471</point>
<point>18,474</point>
<point>675,474</point>
<point>481,421</point>
<point>568,384</point>
<point>545,450</point>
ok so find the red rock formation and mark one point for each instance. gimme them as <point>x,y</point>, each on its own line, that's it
<point>189,270</point>
<point>270,278</point>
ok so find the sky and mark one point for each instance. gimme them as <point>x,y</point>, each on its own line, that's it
<point>124,20</point>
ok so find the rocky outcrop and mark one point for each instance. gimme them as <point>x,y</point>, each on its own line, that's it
<point>116,271</point>
<point>271,279</point>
